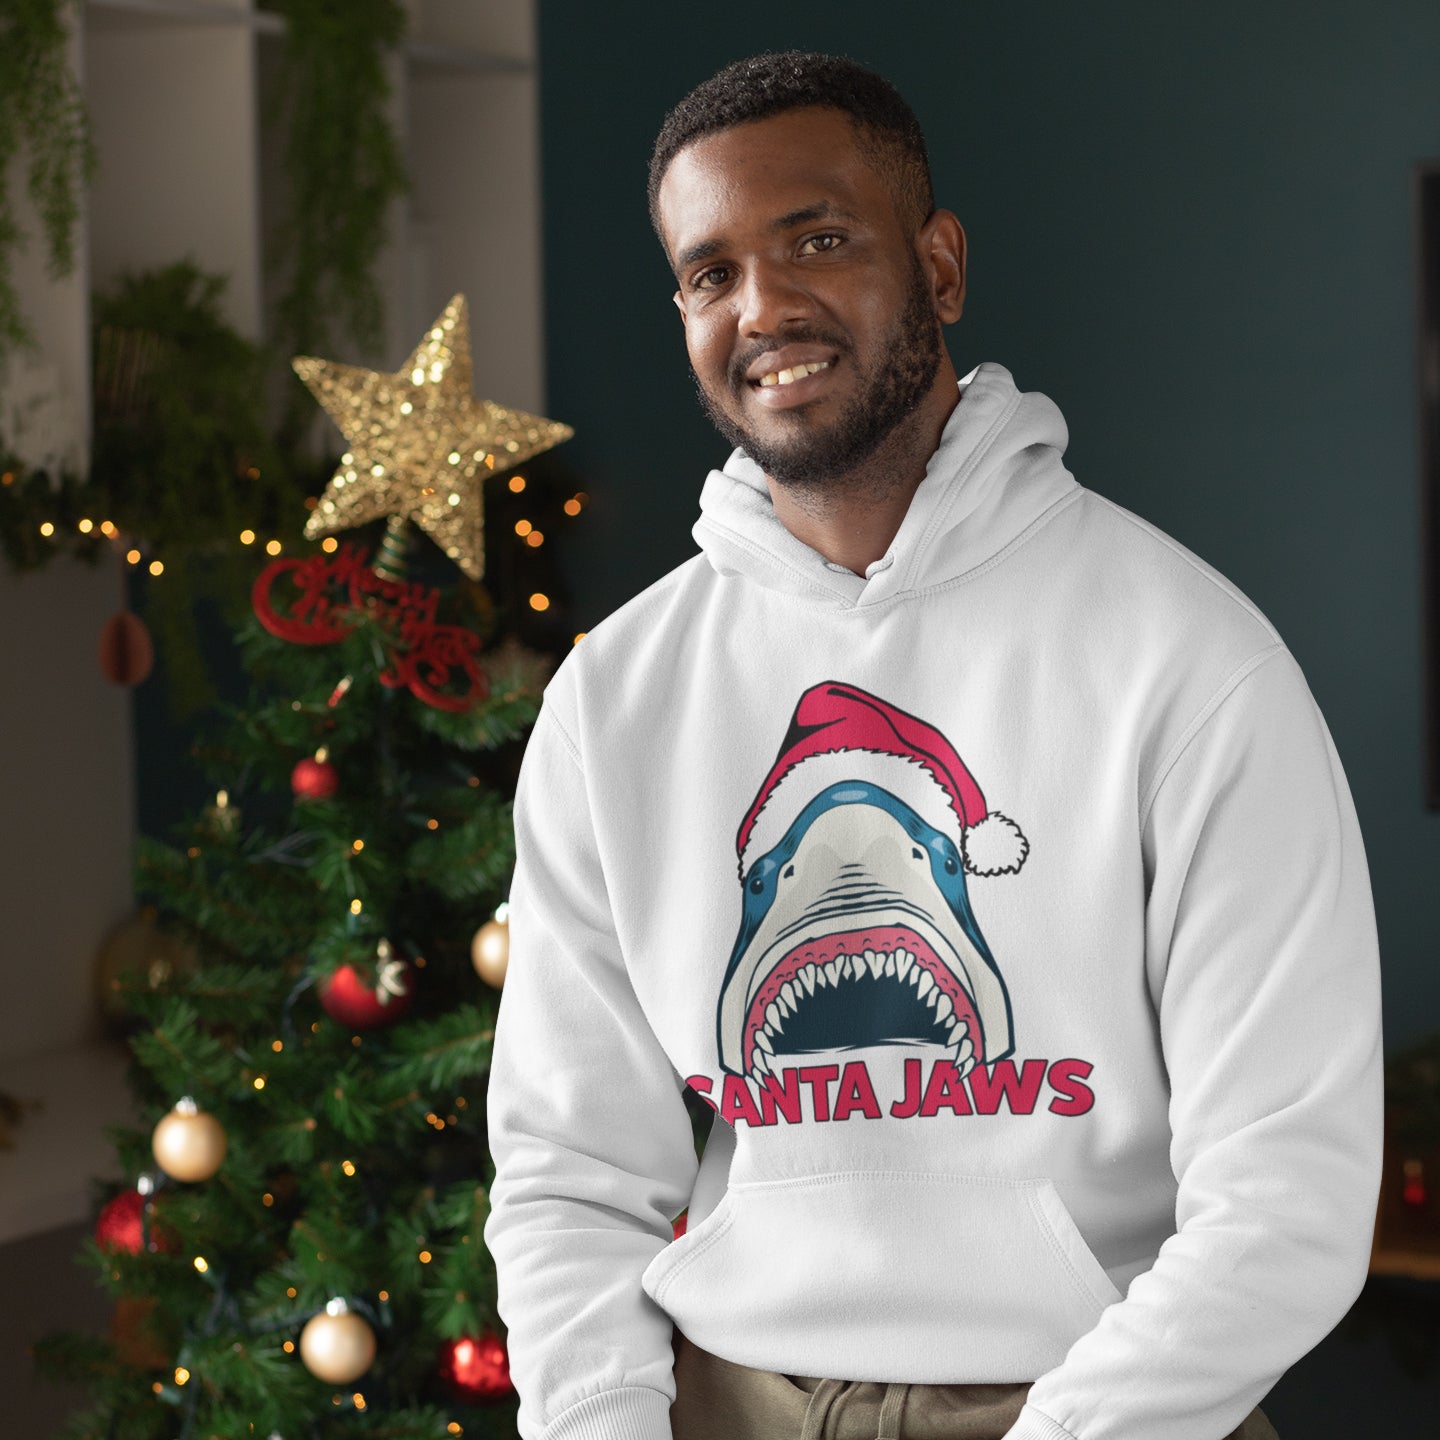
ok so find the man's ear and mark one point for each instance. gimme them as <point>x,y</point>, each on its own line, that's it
<point>679,305</point>
<point>941,246</point>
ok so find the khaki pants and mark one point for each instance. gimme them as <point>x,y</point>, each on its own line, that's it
<point>718,1400</point>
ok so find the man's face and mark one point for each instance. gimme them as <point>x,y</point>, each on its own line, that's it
<point>810,318</point>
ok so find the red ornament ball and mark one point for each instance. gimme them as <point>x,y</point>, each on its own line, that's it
<point>476,1369</point>
<point>127,654</point>
<point>369,1002</point>
<point>120,1230</point>
<point>314,779</point>
<point>121,1227</point>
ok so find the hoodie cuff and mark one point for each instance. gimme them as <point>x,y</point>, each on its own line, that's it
<point>634,1413</point>
<point>1032,1425</point>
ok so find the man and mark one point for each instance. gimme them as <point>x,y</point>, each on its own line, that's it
<point>1041,1012</point>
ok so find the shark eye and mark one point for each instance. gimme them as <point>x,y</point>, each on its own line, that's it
<point>951,865</point>
<point>757,885</point>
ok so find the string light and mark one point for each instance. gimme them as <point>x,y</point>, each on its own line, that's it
<point>259,1082</point>
<point>329,544</point>
<point>425,1257</point>
<point>47,529</point>
<point>432,823</point>
<point>581,636</point>
<point>272,547</point>
<point>133,556</point>
<point>288,1347</point>
<point>84,526</point>
<point>523,528</point>
<point>267,1199</point>
<point>355,906</point>
<point>277,1046</point>
<point>359,1400</point>
<point>182,1375</point>
<point>291,1292</point>
<point>247,537</point>
<point>348,1166</point>
<point>384,1296</point>
<point>517,484</point>
<point>539,601</point>
<point>107,529</point>
<point>157,567</point>
<point>572,507</point>
<point>534,538</point>
<point>357,845</point>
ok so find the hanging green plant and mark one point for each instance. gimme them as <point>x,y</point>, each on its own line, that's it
<point>344,167</point>
<point>42,113</point>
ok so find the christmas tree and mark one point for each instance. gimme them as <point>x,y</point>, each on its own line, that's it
<point>298,1249</point>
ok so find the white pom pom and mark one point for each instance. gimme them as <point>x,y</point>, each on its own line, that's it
<point>995,846</point>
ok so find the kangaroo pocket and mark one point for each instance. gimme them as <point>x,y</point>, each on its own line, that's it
<point>889,1275</point>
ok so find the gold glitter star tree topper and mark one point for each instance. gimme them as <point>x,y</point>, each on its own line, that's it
<point>421,444</point>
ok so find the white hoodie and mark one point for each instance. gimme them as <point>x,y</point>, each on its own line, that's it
<point>1010,905</point>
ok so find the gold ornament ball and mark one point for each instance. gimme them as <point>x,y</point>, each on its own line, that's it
<point>337,1348</point>
<point>490,952</point>
<point>189,1144</point>
<point>137,955</point>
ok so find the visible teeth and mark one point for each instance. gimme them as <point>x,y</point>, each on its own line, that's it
<point>796,372</point>
<point>965,1066</point>
<point>876,963</point>
<point>890,963</point>
<point>944,1009</point>
<point>833,969</point>
<point>925,984</point>
<point>807,979</point>
<point>957,1032</point>
<point>761,1064</point>
<point>772,1014</point>
<point>787,992</point>
<point>762,1039</point>
<point>965,1052</point>
<point>903,961</point>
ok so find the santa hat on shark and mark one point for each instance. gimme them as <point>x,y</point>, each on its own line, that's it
<point>840,733</point>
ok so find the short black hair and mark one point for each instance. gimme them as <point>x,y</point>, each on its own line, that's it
<point>777,81</point>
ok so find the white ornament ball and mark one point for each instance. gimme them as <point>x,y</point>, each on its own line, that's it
<point>490,952</point>
<point>337,1345</point>
<point>189,1143</point>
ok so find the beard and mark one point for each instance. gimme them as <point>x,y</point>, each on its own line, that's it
<point>821,460</point>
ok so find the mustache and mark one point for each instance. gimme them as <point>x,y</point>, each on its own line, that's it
<point>742,360</point>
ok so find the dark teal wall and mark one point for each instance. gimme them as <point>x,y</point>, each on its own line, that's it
<point>1191,226</point>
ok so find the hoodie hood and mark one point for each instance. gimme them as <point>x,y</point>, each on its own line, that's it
<point>996,470</point>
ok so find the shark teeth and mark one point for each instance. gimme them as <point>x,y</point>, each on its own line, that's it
<point>900,964</point>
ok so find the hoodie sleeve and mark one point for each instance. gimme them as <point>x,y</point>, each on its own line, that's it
<point>1261,945</point>
<point>592,1145</point>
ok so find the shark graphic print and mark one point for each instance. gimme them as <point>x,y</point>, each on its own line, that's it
<point>856,926</point>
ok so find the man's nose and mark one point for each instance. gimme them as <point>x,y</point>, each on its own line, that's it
<point>771,297</point>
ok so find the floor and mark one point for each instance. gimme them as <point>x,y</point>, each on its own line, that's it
<point>1375,1377</point>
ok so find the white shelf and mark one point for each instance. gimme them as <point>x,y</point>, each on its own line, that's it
<point>129,14</point>
<point>435,54</point>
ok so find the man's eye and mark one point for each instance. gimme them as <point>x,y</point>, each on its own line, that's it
<point>817,244</point>
<point>709,279</point>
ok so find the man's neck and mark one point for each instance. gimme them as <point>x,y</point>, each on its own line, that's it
<point>853,523</point>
